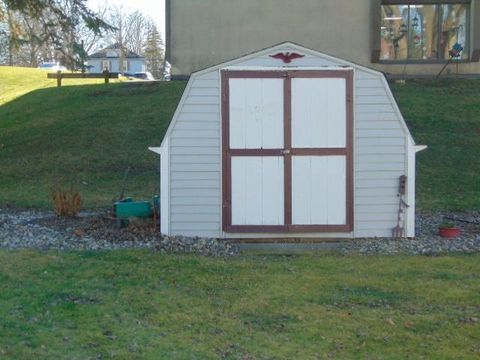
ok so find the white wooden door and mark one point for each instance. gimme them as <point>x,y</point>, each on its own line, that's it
<point>319,113</point>
<point>256,116</point>
<point>257,190</point>
<point>319,123</point>
<point>287,151</point>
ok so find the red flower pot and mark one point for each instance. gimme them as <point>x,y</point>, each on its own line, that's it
<point>449,233</point>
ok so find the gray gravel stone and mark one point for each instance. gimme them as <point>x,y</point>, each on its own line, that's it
<point>95,231</point>
<point>427,241</point>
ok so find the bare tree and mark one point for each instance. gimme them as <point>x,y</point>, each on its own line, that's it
<point>3,42</point>
<point>92,41</point>
<point>136,32</point>
<point>131,29</point>
<point>20,41</point>
<point>117,17</point>
<point>32,47</point>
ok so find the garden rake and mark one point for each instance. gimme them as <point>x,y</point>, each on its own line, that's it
<point>398,231</point>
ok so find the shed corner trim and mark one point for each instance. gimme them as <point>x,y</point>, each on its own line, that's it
<point>419,148</point>
<point>156,150</point>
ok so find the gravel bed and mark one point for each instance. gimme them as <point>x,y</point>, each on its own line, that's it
<point>427,241</point>
<point>95,231</point>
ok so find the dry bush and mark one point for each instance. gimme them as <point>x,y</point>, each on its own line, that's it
<point>66,203</point>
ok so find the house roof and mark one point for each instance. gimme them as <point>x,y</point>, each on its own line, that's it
<point>113,51</point>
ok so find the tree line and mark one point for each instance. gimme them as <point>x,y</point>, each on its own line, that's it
<point>66,31</point>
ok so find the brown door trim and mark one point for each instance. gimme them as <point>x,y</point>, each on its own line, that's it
<point>350,151</point>
<point>260,229</point>
<point>255,152</point>
<point>319,152</point>
<point>240,74</point>
<point>287,135</point>
<point>226,157</point>
<point>287,152</point>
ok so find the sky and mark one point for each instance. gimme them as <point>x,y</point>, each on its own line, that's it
<point>155,9</point>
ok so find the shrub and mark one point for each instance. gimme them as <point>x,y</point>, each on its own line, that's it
<point>66,203</point>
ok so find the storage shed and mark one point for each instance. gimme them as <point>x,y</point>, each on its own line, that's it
<point>287,142</point>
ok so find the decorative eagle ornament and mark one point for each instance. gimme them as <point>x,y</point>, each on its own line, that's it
<point>287,57</point>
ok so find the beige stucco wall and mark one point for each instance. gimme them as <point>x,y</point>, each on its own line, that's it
<point>202,33</point>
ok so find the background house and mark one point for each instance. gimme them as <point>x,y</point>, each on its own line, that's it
<point>109,58</point>
<point>381,34</point>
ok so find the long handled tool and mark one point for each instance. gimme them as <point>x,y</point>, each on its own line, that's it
<point>398,231</point>
<point>455,53</point>
<point>122,196</point>
<point>124,183</point>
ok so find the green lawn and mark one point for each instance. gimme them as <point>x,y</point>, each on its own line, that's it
<point>89,135</point>
<point>86,136</point>
<point>445,115</point>
<point>18,81</point>
<point>128,304</point>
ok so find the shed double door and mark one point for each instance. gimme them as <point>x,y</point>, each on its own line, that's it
<point>287,151</point>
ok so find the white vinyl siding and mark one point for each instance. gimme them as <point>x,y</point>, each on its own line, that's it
<point>307,61</point>
<point>195,172</point>
<point>380,158</point>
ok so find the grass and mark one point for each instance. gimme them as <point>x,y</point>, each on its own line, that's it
<point>445,115</point>
<point>86,136</point>
<point>18,81</point>
<point>89,135</point>
<point>130,304</point>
